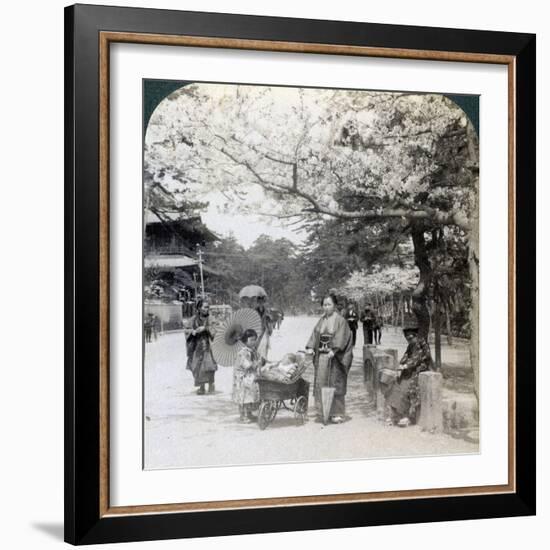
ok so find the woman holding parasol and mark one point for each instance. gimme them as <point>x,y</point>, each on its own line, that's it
<point>332,345</point>
<point>235,346</point>
<point>255,297</point>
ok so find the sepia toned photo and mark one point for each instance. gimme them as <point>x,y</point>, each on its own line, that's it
<point>310,274</point>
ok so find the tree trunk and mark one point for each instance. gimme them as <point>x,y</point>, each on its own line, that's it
<point>473,261</point>
<point>420,294</point>
<point>448,321</point>
<point>437,331</point>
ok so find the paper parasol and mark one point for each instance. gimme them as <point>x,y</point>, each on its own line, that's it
<point>227,341</point>
<point>252,291</point>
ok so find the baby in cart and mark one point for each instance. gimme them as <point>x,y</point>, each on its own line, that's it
<point>288,370</point>
<point>250,365</point>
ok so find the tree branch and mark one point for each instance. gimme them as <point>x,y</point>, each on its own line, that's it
<point>263,152</point>
<point>424,213</point>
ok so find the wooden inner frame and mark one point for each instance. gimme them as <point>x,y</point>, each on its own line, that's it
<point>105,39</point>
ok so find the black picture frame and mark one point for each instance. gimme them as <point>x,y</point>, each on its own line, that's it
<point>85,522</point>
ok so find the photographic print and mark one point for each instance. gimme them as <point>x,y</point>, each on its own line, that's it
<point>310,274</point>
<point>275,304</point>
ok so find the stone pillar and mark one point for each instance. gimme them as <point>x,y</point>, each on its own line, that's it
<point>374,360</point>
<point>369,368</point>
<point>460,412</point>
<point>393,353</point>
<point>368,352</point>
<point>381,361</point>
<point>381,414</point>
<point>431,412</point>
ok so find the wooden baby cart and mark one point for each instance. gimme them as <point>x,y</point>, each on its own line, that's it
<point>276,395</point>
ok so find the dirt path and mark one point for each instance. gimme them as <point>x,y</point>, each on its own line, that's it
<point>183,429</point>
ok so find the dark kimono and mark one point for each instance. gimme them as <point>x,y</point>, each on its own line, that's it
<point>333,373</point>
<point>403,396</point>
<point>368,320</point>
<point>199,353</point>
<point>263,346</point>
<point>352,318</point>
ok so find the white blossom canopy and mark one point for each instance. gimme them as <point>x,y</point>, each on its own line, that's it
<point>295,152</point>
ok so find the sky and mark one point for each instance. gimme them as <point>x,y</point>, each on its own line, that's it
<point>246,228</point>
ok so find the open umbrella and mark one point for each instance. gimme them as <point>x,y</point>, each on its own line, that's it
<point>227,341</point>
<point>252,291</point>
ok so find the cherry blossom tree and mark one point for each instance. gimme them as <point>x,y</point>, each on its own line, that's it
<point>404,163</point>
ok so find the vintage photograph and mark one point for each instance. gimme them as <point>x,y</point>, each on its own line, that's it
<point>310,274</point>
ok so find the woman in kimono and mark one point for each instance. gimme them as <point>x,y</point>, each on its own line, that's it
<point>403,395</point>
<point>352,319</point>
<point>263,344</point>
<point>378,324</point>
<point>368,320</point>
<point>246,392</point>
<point>199,353</point>
<point>332,336</point>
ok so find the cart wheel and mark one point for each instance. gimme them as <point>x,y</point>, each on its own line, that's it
<point>275,410</point>
<point>300,410</point>
<point>266,414</point>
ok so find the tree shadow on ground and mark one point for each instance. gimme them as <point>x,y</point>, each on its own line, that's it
<point>359,402</point>
<point>459,379</point>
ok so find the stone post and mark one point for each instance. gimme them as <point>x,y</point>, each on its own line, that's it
<point>393,353</point>
<point>374,360</point>
<point>369,367</point>
<point>368,352</point>
<point>381,361</point>
<point>431,412</point>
